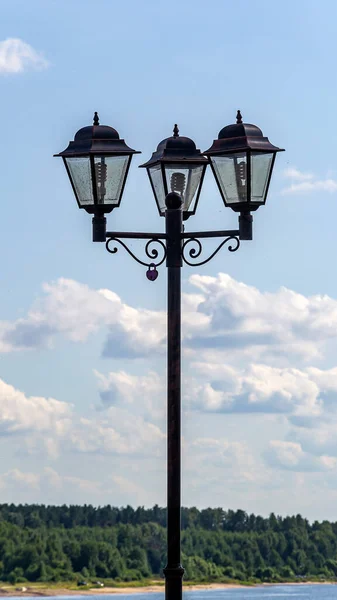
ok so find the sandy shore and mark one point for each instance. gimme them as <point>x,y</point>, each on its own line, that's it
<point>161,588</point>
<point>41,591</point>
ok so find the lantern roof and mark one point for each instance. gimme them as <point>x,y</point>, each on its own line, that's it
<point>97,139</point>
<point>176,149</point>
<point>241,137</point>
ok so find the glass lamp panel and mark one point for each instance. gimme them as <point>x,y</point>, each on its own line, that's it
<point>155,174</point>
<point>231,174</point>
<point>110,174</point>
<point>260,172</point>
<point>80,175</point>
<point>184,180</point>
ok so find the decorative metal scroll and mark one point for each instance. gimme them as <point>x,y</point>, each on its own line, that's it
<point>156,257</point>
<point>196,250</point>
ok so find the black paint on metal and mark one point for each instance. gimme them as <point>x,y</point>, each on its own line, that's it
<point>246,226</point>
<point>173,571</point>
<point>196,250</point>
<point>98,228</point>
<point>151,253</point>
<point>135,235</point>
<point>210,234</point>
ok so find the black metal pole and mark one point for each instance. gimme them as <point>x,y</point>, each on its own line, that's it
<point>173,571</point>
<point>245,226</point>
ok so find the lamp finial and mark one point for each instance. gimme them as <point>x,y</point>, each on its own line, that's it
<point>175,131</point>
<point>96,119</point>
<point>238,117</point>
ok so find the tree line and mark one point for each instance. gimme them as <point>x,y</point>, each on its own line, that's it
<point>58,543</point>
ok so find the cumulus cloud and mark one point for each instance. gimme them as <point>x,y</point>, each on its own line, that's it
<point>145,393</point>
<point>291,456</point>
<point>75,311</point>
<point>48,426</point>
<point>21,414</point>
<point>307,182</point>
<point>226,316</point>
<point>17,56</point>
<point>318,436</point>
<point>218,388</point>
<point>119,433</point>
<point>258,388</point>
<point>246,351</point>
<point>267,324</point>
<point>319,440</point>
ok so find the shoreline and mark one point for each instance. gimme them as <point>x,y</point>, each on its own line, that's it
<point>32,590</point>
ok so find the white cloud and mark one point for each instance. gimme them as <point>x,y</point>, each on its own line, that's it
<point>120,432</point>
<point>17,485</point>
<point>319,440</point>
<point>227,317</point>
<point>293,173</point>
<point>129,489</point>
<point>307,182</point>
<point>76,311</point>
<point>320,185</point>
<point>266,325</point>
<point>15,477</point>
<point>221,454</point>
<point>258,388</point>
<point>56,488</point>
<point>20,414</point>
<point>241,347</point>
<point>17,56</point>
<point>144,393</point>
<point>246,351</point>
<point>291,456</point>
<point>297,394</point>
<point>215,469</point>
<point>318,436</point>
<point>50,427</point>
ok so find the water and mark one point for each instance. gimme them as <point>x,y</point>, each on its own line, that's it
<point>275,592</point>
<point>300,592</point>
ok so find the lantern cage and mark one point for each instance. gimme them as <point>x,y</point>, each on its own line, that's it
<point>177,166</point>
<point>97,163</point>
<point>242,161</point>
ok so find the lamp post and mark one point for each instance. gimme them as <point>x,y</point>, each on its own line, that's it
<point>242,160</point>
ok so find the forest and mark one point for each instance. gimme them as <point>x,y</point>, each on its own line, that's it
<point>65,543</point>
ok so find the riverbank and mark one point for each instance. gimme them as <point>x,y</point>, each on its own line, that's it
<point>43,591</point>
<point>37,590</point>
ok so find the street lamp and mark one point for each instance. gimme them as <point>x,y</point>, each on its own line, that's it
<point>242,161</point>
<point>177,166</point>
<point>97,163</point>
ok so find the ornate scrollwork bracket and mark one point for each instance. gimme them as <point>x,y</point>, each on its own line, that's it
<point>156,257</point>
<point>196,251</point>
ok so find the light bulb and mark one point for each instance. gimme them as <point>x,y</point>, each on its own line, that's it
<point>241,177</point>
<point>101,176</point>
<point>242,170</point>
<point>178,182</point>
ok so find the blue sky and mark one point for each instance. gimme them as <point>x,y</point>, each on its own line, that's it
<point>82,333</point>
